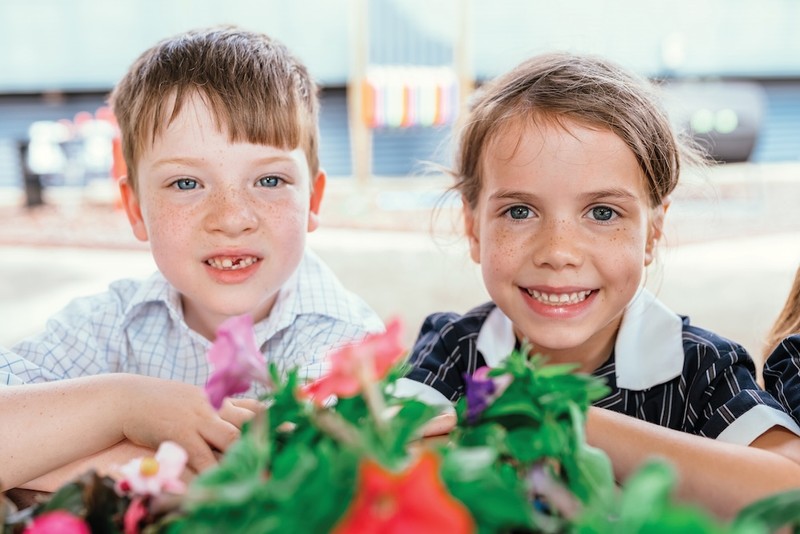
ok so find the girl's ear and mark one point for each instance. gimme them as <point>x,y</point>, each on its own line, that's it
<point>472,230</point>
<point>317,192</point>
<point>656,229</point>
<point>132,208</point>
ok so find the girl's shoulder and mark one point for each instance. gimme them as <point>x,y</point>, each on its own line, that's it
<point>467,323</point>
<point>698,338</point>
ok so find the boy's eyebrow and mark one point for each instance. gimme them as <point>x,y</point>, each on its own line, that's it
<point>190,161</point>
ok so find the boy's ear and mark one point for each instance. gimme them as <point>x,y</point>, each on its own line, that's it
<point>132,208</point>
<point>656,230</point>
<point>317,192</point>
<point>472,231</point>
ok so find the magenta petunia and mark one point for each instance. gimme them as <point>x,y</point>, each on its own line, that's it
<point>57,522</point>
<point>236,360</point>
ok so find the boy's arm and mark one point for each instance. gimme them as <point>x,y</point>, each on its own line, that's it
<point>53,424</point>
<point>722,476</point>
<point>105,463</point>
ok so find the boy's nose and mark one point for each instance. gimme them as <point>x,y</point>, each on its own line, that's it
<point>231,212</point>
<point>557,244</point>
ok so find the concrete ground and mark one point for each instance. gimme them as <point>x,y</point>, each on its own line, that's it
<point>733,245</point>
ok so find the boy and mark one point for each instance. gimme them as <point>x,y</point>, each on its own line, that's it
<point>219,133</point>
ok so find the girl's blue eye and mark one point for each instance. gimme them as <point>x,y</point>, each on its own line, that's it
<point>185,184</point>
<point>519,212</point>
<point>602,213</point>
<point>269,181</point>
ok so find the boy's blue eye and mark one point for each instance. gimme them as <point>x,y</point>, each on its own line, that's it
<point>269,181</point>
<point>519,212</point>
<point>602,213</point>
<point>185,184</point>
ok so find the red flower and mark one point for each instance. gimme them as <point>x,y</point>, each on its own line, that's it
<point>57,522</point>
<point>353,365</point>
<point>415,500</point>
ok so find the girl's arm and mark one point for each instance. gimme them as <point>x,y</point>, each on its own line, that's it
<point>47,426</point>
<point>720,476</point>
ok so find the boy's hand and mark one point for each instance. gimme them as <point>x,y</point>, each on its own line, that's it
<point>239,411</point>
<point>155,410</point>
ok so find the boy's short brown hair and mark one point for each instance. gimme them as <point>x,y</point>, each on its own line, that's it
<point>256,89</point>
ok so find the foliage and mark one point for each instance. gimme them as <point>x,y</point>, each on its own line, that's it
<point>517,461</point>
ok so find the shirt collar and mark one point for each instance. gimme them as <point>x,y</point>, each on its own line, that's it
<point>155,288</point>
<point>648,350</point>
<point>312,289</point>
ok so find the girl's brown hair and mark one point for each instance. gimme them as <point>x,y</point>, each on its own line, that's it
<point>581,88</point>
<point>788,321</point>
<point>256,89</point>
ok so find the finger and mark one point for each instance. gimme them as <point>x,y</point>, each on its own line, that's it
<point>201,457</point>
<point>220,434</point>
<point>254,405</point>
<point>440,425</point>
<point>235,415</point>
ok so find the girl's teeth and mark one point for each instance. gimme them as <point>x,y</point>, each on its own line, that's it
<point>231,264</point>
<point>554,299</point>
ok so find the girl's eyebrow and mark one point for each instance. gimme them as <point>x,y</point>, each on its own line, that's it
<point>511,194</point>
<point>617,194</point>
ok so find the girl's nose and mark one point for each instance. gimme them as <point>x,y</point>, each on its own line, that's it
<point>557,245</point>
<point>230,212</point>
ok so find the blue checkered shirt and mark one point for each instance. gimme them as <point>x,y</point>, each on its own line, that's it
<point>138,327</point>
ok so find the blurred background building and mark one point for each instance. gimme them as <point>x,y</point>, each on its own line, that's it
<point>730,69</point>
<point>394,74</point>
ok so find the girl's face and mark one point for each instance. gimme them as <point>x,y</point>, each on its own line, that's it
<point>563,230</point>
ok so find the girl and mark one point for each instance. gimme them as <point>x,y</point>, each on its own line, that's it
<point>565,167</point>
<point>782,365</point>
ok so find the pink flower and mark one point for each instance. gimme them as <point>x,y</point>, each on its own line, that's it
<point>134,515</point>
<point>236,360</point>
<point>351,366</point>
<point>155,475</point>
<point>57,522</point>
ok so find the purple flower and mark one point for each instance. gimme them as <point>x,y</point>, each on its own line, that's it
<point>482,390</point>
<point>236,360</point>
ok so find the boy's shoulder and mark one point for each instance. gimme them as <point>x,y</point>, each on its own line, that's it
<point>319,292</point>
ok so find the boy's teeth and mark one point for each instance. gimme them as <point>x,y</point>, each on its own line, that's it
<point>231,264</point>
<point>554,299</point>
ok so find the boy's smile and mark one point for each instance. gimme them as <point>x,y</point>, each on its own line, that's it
<point>226,221</point>
<point>563,230</point>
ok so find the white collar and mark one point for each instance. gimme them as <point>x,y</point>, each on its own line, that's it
<point>648,350</point>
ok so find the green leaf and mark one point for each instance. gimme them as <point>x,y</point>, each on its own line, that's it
<point>774,512</point>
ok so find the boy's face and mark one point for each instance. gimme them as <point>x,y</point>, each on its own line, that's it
<point>226,221</point>
<point>563,230</point>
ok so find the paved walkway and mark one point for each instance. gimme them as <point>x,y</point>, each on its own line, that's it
<point>731,252</point>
